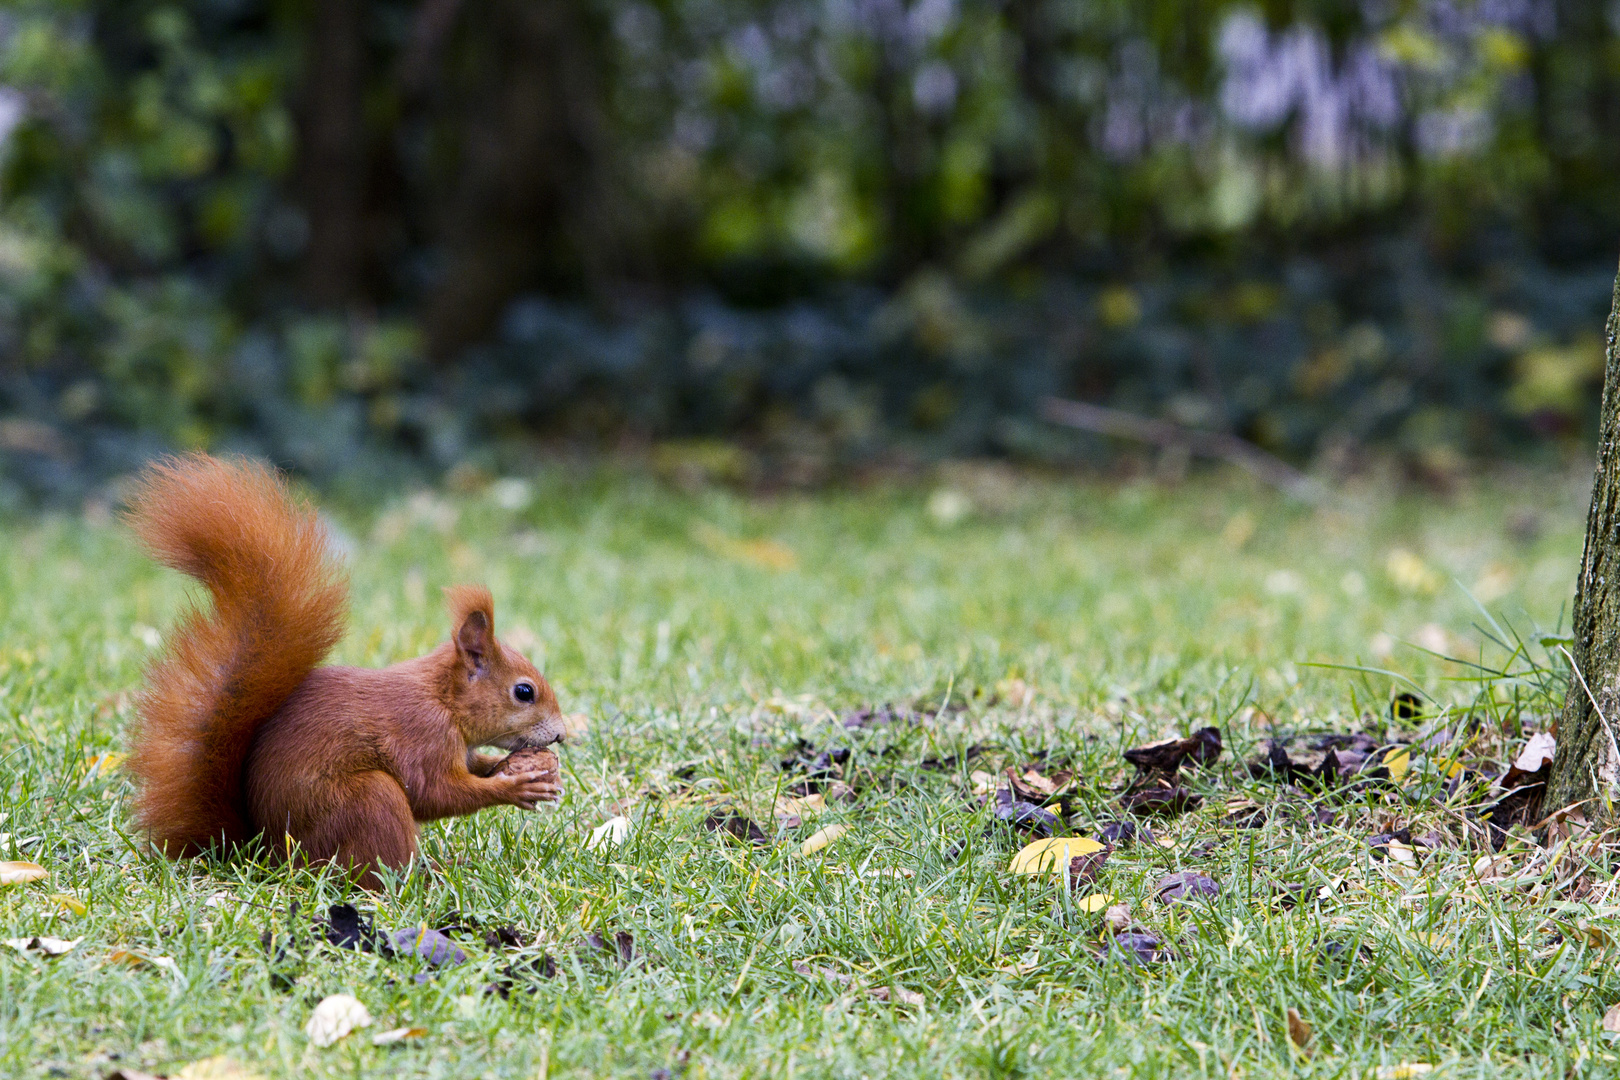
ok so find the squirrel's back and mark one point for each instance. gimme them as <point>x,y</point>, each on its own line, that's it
<point>279,601</point>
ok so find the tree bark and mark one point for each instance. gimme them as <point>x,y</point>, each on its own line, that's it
<point>333,154</point>
<point>523,211</point>
<point>1587,762</point>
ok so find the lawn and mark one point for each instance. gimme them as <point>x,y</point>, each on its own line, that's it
<point>704,634</point>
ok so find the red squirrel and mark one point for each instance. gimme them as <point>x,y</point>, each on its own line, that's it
<point>241,733</point>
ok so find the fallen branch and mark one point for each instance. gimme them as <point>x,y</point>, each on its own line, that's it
<point>1211,444</point>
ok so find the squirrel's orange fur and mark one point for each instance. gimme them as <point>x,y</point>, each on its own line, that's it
<point>240,732</point>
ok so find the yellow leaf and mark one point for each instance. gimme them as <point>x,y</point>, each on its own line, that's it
<point>1399,764</point>
<point>1052,854</point>
<point>20,873</point>
<point>103,764</point>
<point>1095,902</point>
<point>68,903</point>
<point>821,838</point>
<point>216,1068</point>
<point>765,554</point>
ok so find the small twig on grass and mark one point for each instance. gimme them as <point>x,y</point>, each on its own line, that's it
<point>1084,416</point>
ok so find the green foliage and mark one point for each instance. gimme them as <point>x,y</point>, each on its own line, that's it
<point>159,191</point>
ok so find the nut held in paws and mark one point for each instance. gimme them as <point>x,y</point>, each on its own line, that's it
<point>543,762</point>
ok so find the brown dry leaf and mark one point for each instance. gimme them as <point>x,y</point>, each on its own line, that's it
<point>1611,1019</point>
<point>1299,1032</point>
<point>21,873</point>
<point>1118,918</point>
<point>1186,885</point>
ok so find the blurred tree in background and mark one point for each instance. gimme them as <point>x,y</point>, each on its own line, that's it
<point>352,232</point>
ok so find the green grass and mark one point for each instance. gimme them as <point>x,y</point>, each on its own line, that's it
<point>1132,611</point>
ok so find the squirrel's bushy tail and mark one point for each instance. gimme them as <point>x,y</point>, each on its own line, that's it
<point>279,600</point>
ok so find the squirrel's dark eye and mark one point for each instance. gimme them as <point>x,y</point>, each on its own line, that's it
<point>524,691</point>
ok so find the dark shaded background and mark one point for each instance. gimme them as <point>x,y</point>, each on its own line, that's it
<point>775,240</point>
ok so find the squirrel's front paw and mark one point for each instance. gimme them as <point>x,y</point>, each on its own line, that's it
<point>528,790</point>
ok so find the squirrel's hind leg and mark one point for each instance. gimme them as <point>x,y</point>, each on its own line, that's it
<point>371,828</point>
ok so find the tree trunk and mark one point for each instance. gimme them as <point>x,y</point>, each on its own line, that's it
<point>1587,762</point>
<point>523,211</point>
<point>333,152</point>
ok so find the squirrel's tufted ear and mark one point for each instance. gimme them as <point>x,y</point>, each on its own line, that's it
<point>472,613</point>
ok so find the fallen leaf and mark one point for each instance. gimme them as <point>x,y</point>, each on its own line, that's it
<point>1401,853</point>
<point>1202,747</point>
<point>1124,832</point>
<point>765,554</point>
<point>1538,751</point>
<point>1186,885</point>
<point>334,1018</point>
<point>346,928</point>
<point>801,806</point>
<point>821,838</point>
<point>383,1038</point>
<point>1024,815</point>
<point>1118,918</point>
<point>1399,763</point>
<point>68,903</point>
<point>1137,948</point>
<point>20,873</point>
<point>611,833</point>
<point>1299,1032</point>
<point>1611,1019</point>
<point>736,826</point>
<point>904,997</point>
<point>984,783</point>
<point>1404,1071</point>
<point>136,958</point>
<point>623,945</point>
<point>1094,903</point>
<point>430,945</point>
<point>102,764</point>
<point>216,1068</point>
<point>1046,856</point>
<point>1163,799</point>
<point>48,946</point>
<point>1083,869</point>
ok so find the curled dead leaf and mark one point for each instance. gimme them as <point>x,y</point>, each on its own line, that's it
<point>1299,1032</point>
<point>821,838</point>
<point>45,946</point>
<point>335,1017</point>
<point>383,1038</point>
<point>21,873</point>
